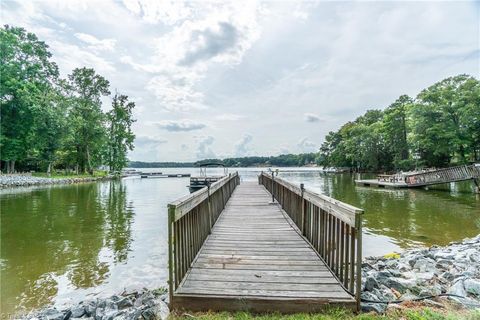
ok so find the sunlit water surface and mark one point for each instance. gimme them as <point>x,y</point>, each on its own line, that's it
<point>62,244</point>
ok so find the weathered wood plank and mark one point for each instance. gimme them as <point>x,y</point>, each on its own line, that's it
<point>261,273</point>
<point>264,293</point>
<point>262,286</point>
<point>327,278</point>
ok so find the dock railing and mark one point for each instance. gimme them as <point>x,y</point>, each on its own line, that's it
<point>190,220</point>
<point>333,228</point>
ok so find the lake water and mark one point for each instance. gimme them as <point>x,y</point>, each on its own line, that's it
<point>61,244</point>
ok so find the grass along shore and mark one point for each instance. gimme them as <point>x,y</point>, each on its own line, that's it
<point>411,312</point>
<point>63,175</point>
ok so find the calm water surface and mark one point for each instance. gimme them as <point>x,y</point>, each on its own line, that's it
<point>62,244</point>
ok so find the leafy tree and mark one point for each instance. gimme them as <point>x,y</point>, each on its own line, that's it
<point>120,135</point>
<point>86,117</point>
<point>395,128</point>
<point>27,76</point>
<point>445,118</point>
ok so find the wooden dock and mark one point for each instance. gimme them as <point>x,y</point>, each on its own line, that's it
<point>255,258</point>
<point>427,178</point>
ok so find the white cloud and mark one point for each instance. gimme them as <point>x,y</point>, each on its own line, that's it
<point>154,11</point>
<point>97,44</point>
<point>204,150</point>
<point>306,145</point>
<point>211,42</point>
<point>217,34</point>
<point>229,117</point>
<point>241,147</point>
<point>148,141</point>
<point>311,117</point>
<point>180,125</point>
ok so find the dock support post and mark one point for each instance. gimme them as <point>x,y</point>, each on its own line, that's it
<point>477,185</point>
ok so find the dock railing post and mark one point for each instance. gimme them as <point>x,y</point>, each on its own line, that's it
<point>210,214</point>
<point>358,282</point>
<point>302,189</point>
<point>171,248</point>
<point>273,178</point>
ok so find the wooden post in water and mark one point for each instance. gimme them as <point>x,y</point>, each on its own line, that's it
<point>477,185</point>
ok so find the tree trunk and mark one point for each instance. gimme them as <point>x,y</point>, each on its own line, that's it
<point>7,166</point>
<point>49,169</point>
<point>90,170</point>
<point>12,166</point>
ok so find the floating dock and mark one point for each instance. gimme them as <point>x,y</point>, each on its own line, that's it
<point>426,178</point>
<point>166,175</point>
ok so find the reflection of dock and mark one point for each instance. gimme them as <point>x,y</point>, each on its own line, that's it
<point>427,178</point>
<point>380,184</point>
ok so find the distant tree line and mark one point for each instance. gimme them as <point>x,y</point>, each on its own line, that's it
<point>438,128</point>
<point>47,121</point>
<point>284,160</point>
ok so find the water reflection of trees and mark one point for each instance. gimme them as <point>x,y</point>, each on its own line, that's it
<point>77,230</point>
<point>411,215</point>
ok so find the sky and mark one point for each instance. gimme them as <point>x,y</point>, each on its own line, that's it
<point>249,78</point>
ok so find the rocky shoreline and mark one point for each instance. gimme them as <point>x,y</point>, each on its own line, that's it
<point>145,305</point>
<point>436,276</point>
<point>11,181</point>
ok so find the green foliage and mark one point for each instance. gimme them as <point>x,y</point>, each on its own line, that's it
<point>27,80</point>
<point>284,160</point>
<point>441,127</point>
<point>47,121</point>
<point>120,133</point>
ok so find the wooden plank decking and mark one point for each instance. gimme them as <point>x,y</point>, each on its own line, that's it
<point>255,259</point>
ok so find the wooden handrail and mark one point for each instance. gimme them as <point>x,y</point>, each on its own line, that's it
<point>190,220</point>
<point>333,228</point>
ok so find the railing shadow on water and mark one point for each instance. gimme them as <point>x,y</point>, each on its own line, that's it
<point>190,221</point>
<point>333,228</point>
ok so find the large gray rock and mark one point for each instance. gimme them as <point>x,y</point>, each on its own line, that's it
<point>458,289</point>
<point>124,302</point>
<point>374,307</point>
<point>369,296</point>
<point>99,313</point>
<point>77,311</point>
<point>53,314</point>
<point>424,265</point>
<point>472,286</point>
<point>370,283</point>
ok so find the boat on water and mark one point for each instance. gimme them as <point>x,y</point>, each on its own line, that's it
<point>203,179</point>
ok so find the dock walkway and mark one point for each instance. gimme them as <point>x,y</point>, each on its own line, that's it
<point>238,251</point>
<point>255,256</point>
